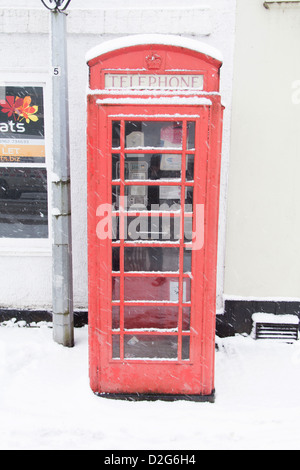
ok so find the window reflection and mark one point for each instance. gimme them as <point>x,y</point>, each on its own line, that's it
<point>115,317</point>
<point>150,317</point>
<point>142,198</point>
<point>186,290</point>
<point>151,347</point>
<point>190,168</point>
<point>23,203</point>
<point>191,135</point>
<point>115,197</point>
<point>186,318</point>
<point>185,348</point>
<point>148,228</point>
<point>187,264</point>
<point>116,259</point>
<point>154,259</point>
<point>154,227</point>
<point>115,167</point>
<point>155,134</point>
<point>115,288</point>
<point>188,229</point>
<point>152,166</point>
<point>116,347</point>
<point>189,199</point>
<point>116,132</point>
<point>151,289</point>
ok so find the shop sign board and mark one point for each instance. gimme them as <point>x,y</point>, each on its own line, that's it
<point>22,128</point>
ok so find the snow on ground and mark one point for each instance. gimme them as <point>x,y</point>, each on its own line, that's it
<point>46,402</point>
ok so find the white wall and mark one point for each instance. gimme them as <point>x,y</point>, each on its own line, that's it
<point>24,37</point>
<point>263,249</point>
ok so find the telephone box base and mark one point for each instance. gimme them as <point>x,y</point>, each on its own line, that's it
<point>157,397</point>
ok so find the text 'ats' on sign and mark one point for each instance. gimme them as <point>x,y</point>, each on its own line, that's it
<point>22,128</point>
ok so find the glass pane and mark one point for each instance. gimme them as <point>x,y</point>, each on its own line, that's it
<point>115,228</point>
<point>191,135</point>
<point>170,166</point>
<point>169,194</point>
<point>153,259</point>
<point>23,203</point>
<point>164,228</point>
<point>190,167</point>
<point>116,347</point>
<point>187,264</point>
<point>188,229</point>
<point>164,198</point>
<point>116,132</point>
<point>116,288</point>
<point>151,347</point>
<point>137,167</point>
<point>148,228</point>
<point>185,348</point>
<point>150,317</point>
<point>152,166</point>
<point>159,289</point>
<point>115,317</point>
<point>115,198</point>
<point>186,291</point>
<point>115,167</point>
<point>186,319</point>
<point>189,199</point>
<point>136,198</point>
<point>116,259</point>
<point>153,134</point>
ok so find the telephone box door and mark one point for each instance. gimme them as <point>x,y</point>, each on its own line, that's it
<point>152,229</point>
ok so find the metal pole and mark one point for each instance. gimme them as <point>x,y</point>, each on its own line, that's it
<point>62,283</point>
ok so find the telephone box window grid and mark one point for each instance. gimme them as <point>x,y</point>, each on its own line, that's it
<point>151,171</point>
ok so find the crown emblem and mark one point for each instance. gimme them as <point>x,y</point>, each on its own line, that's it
<point>154,61</point>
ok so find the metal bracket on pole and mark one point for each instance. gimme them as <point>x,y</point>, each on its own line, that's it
<point>56,5</point>
<point>62,283</point>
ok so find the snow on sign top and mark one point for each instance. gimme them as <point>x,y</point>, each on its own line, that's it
<point>158,39</point>
<point>271,318</point>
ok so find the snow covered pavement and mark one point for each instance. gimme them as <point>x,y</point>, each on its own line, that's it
<point>46,401</point>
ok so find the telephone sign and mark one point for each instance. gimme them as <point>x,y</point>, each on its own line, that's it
<point>154,81</point>
<point>154,151</point>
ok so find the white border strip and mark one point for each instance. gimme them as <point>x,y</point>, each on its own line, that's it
<point>241,298</point>
<point>163,100</point>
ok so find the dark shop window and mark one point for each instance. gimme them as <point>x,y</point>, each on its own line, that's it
<point>23,203</point>
<point>23,173</point>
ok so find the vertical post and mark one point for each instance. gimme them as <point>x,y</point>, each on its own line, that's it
<point>62,283</point>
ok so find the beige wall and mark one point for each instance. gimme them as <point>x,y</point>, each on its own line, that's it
<point>263,218</point>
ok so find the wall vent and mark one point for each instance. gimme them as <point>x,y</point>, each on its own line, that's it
<point>278,327</point>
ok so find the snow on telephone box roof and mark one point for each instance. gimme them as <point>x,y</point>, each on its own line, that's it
<point>155,39</point>
<point>154,62</point>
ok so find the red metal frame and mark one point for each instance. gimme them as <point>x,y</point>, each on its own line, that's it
<point>175,376</point>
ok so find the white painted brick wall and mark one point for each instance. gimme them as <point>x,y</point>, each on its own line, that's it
<point>195,21</point>
<point>24,38</point>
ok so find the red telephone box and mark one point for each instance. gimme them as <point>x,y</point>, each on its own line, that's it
<point>154,151</point>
